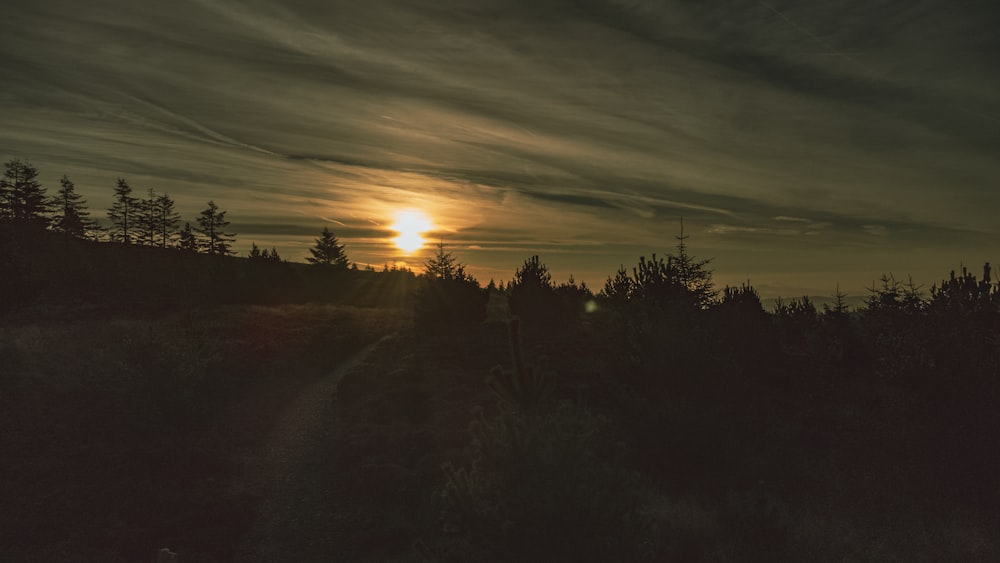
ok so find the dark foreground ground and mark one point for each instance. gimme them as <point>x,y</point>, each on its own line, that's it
<point>125,433</point>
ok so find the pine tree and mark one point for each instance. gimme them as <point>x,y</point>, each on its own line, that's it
<point>533,273</point>
<point>273,257</point>
<point>166,220</point>
<point>619,288</point>
<point>146,226</point>
<point>188,240</point>
<point>532,294</point>
<point>680,279</point>
<point>212,223</point>
<point>447,295</point>
<point>255,255</point>
<point>72,218</point>
<point>327,252</point>
<point>444,265</point>
<point>122,213</point>
<point>22,197</point>
<point>691,274</point>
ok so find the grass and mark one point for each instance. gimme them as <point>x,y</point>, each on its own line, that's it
<point>125,433</point>
<point>122,433</point>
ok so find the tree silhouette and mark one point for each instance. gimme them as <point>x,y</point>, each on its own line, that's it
<point>619,288</point>
<point>22,197</point>
<point>122,213</point>
<point>680,280</point>
<point>692,274</point>
<point>146,220</point>
<point>212,226</point>
<point>72,218</point>
<point>532,294</point>
<point>187,240</point>
<point>327,252</point>
<point>444,265</point>
<point>533,274</point>
<point>255,255</point>
<point>447,295</point>
<point>166,220</point>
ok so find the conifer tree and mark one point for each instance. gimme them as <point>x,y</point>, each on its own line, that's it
<point>273,257</point>
<point>444,265</point>
<point>122,213</point>
<point>447,295</point>
<point>327,252</point>
<point>22,197</point>
<point>212,224</point>
<point>166,220</point>
<point>692,274</point>
<point>188,241</point>
<point>532,293</point>
<point>145,220</point>
<point>255,255</point>
<point>619,288</point>
<point>72,218</point>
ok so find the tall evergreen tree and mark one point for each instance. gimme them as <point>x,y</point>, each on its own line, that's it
<point>145,220</point>
<point>166,220</point>
<point>188,240</point>
<point>72,218</point>
<point>327,252</point>
<point>122,213</point>
<point>22,197</point>
<point>692,274</point>
<point>212,225</point>
<point>273,256</point>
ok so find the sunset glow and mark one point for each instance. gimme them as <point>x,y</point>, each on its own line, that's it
<point>410,225</point>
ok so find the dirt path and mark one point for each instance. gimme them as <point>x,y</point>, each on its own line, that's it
<point>296,521</point>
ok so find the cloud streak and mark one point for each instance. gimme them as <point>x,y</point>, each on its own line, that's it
<point>862,131</point>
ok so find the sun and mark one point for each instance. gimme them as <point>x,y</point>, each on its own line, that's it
<point>410,224</point>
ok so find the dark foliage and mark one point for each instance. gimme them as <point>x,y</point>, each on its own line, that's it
<point>123,214</point>
<point>446,295</point>
<point>532,295</point>
<point>546,482</point>
<point>22,197</point>
<point>71,216</point>
<point>328,252</point>
<point>212,225</point>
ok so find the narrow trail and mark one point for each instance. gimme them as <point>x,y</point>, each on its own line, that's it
<point>295,521</point>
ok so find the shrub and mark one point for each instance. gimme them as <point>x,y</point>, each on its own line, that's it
<point>545,484</point>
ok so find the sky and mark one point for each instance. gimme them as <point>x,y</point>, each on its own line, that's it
<point>805,144</point>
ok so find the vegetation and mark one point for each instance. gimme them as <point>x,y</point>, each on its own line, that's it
<point>328,252</point>
<point>212,225</point>
<point>661,419</point>
<point>22,197</point>
<point>122,213</point>
<point>448,296</point>
<point>71,216</point>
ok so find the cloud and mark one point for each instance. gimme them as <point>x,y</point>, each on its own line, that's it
<point>585,129</point>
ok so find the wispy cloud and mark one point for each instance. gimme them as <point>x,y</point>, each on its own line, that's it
<point>861,130</point>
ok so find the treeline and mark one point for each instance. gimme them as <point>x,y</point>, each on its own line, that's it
<point>150,220</point>
<point>674,387</point>
<point>53,252</point>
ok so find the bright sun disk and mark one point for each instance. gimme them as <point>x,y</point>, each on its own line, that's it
<point>409,225</point>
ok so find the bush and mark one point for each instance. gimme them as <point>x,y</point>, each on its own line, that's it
<point>545,484</point>
<point>532,294</point>
<point>449,301</point>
